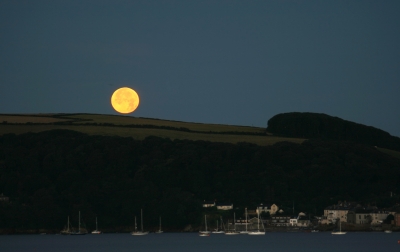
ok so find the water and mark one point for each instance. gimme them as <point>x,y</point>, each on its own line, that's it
<point>176,242</point>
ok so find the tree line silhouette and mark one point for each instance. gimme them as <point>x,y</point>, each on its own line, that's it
<point>51,175</point>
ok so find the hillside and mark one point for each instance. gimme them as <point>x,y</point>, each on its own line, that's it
<point>54,174</point>
<point>52,166</point>
<point>138,128</point>
<point>322,126</point>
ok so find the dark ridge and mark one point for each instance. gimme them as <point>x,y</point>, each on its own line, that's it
<point>322,126</point>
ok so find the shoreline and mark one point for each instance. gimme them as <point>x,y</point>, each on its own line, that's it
<point>12,231</point>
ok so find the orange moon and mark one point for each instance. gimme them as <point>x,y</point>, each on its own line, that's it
<point>125,100</point>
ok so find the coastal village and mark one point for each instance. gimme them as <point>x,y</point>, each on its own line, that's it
<point>351,216</point>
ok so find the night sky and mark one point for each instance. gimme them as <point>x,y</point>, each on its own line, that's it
<point>225,62</point>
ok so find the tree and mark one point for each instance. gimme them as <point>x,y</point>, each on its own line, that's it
<point>389,219</point>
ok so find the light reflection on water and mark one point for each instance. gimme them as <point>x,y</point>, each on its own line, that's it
<point>192,242</point>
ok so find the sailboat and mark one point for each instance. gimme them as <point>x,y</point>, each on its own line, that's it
<point>245,232</point>
<point>67,230</point>
<point>258,232</point>
<point>136,232</point>
<point>159,231</point>
<point>205,232</point>
<point>232,232</point>
<point>218,231</point>
<point>340,230</point>
<point>97,231</point>
<point>80,232</point>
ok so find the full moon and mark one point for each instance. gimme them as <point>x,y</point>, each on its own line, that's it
<point>125,100</point>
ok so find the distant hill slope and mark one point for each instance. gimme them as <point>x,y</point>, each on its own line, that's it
<point>137,128</point>
<point>322,126</point>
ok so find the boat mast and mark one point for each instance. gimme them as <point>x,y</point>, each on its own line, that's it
<point>135,225</point>
<point>246,218</point>
<point>141,219</point>
<point>79,228</point>
<point>205,220</point>
<point>234,222</point>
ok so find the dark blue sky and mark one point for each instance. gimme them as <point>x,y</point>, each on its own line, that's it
<point>225,62</point>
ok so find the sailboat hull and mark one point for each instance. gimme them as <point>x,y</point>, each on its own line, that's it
<point>257,233</point>
<point>340,230</point>
<point>140,233</point>
<point>205,232</point>
<point>232,233</point>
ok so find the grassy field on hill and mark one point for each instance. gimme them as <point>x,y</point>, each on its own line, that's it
<point>395,154</point>
<point>113,125</point>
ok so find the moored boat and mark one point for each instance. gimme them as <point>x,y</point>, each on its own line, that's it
<point>217,230</point>
<point>205,232</point>
<point>340,230</point>
<point>97,231</point>
<point>159,231</point>
<point>258,232</point>
<point>139,232</point>
<point>80,231</point>
<point>67,230</point>
<point>230,231</point>
<point>245,231</point>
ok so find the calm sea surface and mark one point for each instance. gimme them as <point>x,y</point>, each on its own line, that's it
<point>192,242</point>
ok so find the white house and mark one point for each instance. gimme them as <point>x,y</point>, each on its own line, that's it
<point>299,221</point>
<point>224,206</point>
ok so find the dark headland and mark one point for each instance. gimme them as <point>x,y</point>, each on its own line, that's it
<point>54,165</point>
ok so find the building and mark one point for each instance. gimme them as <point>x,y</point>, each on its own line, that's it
<point>300,221</point>
<point>397,219</point>
<point>280,221</point>
<point>358,218</point>
<point>224,206</point>
<point>209,203</point>
<point>293,222</point>
<point>339,211</point>
<point>272,209</point>
<point>378,217</point>
<point>367,215</point>
<point>303,221</point>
